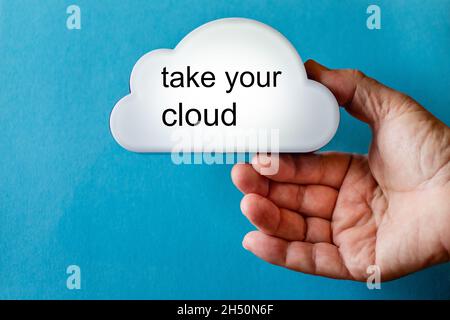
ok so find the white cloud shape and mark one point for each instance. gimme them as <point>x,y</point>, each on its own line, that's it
<point>303,112</point>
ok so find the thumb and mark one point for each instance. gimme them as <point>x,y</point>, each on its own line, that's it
<point>363,97</point>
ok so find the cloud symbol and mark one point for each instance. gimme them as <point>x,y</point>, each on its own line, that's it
<point>185,98</point>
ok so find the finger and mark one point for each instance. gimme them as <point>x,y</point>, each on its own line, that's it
<point>284,223</point>
<point>310,200</point>
<point>319,259</point>
<point>327,169</point>
<point>317,230</point>
<point>247,180</point>
<point>272,220</point>
<point>363,97</point>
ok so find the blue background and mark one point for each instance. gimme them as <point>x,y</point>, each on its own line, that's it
<point>137,225</point>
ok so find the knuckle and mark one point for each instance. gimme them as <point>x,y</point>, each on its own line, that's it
<point>358,74</point>
<point>355,74</point>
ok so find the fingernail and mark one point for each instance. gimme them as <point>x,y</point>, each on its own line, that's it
<point>244,244</point>
<point>262,160</point>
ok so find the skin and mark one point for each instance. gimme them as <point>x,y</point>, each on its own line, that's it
<point>334,214</point>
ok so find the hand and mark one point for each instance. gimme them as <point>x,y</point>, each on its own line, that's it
<point>335,214</point>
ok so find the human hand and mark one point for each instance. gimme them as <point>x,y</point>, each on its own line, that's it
<point>335,214</point>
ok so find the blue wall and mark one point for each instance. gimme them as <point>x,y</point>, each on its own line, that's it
<point>137,225</point>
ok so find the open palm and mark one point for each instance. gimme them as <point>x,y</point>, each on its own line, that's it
<point>336,214</point>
